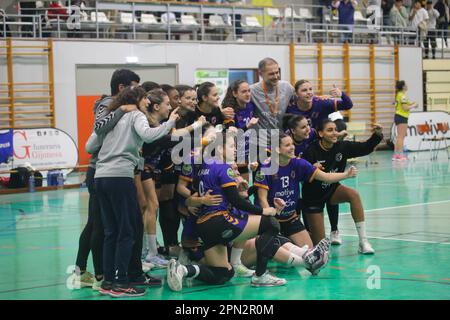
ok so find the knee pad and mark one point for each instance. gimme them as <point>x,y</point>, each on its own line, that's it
<point>268,246</point>
<point>221,275</point>
<point>269,225</point>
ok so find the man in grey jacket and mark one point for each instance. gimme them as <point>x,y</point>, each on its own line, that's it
<point>271,97</point>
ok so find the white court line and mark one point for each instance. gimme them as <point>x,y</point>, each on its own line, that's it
<point>434,186</point>
<point>403,206</point>
<point>397,239</point>
<point>409,179</point>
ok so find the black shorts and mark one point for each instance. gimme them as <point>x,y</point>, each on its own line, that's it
<point>220,227</point>
<point>292,226</point>
<point>398,119</point>
<point>169,175</point>
<point>151,173</point>
<point>313,207</point>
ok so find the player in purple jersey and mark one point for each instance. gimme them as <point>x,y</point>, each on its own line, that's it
<point>332,156</point>
<point>317,108</point>
<point>284,185</point>
<point>157,111</point>
<point>301,133</point>
<point>188,186</point>
<point>221,224</point>
<point>238,97</point>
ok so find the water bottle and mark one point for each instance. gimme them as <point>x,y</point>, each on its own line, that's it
<point>60,180</point>
<point>31,185</point>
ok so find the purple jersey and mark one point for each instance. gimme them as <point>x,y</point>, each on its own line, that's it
<point>215,176</point>
<point>241,119</point>
<point>243,116</point>
<point>321,107</point>
<point>189,172</point>
<point>285,183</point>
<point>300,147</point>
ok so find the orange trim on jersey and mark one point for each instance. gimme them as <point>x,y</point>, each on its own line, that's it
<point>335,105</point>
<point>185,178</point>
<point>313,176</point>
<point>289,219</point>
<point>211,215</point>
<point>169,167</point>
<point>229,184</point>
<point>256,184</point>
<point>228,120</point>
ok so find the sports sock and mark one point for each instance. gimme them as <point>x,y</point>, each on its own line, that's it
<point>295,260</point>
<point>235,258</point>
<point>298,251</point>
<point>361,228</point>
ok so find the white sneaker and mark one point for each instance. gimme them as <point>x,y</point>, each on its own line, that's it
<point>242,271</point>
<point>335,238</point>
<point>80,281</point>
<point>175,274</point>
<point>147,266</point>
<point>267,280</point>
<point>157,261</point>
<point>317,258</point>
<point>365,247</point>
<point>239,40</point>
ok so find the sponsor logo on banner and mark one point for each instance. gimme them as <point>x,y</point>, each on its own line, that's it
<point>414,139</point>
<point>43,148</point>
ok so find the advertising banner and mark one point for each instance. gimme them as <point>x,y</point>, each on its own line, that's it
<point>43,149</point>
<point>414,138</point>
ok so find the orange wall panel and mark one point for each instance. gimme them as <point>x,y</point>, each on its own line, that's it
<point>85,123</point>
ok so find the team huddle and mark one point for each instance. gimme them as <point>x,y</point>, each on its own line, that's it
<point>229,226</point>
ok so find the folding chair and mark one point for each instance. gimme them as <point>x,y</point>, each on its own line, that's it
<point>434,141</point>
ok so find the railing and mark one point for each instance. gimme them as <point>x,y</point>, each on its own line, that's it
<point>199,22</point>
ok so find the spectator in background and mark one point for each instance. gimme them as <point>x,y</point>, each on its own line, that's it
<point>442,7</point>
<point>419,19</point>
<point>386,6</point>
<point>433,15</point>
<point>237,19</point>
<point>56,10</point>
<point>321,12</point>
<point>346,12</point>
<point>399,15</point>
<point>408,5</point>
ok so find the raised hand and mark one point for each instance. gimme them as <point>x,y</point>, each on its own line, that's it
<point>377,128</point>
<point>279,204</point>
<point>352,172</point>
<point>252,122</point>
<point>335,92</point>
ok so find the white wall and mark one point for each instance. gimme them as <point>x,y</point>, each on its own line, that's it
<point>188,57</point>
<point>411,72</point>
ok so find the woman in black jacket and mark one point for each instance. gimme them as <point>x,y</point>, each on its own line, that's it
<point>331,156</point>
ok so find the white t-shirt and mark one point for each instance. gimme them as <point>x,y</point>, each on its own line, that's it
<point>433,14</point>
<point>420,16</point>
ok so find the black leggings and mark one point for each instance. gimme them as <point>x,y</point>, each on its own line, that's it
<point>91,237</point>
<point>431,38</point>
<point>169,220</point>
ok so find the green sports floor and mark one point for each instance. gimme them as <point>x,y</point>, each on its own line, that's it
<point>407,217</point>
